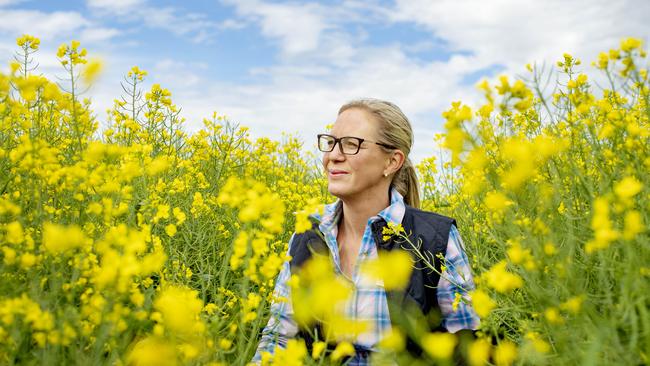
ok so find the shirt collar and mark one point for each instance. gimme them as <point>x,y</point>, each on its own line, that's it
<point>394,213</point>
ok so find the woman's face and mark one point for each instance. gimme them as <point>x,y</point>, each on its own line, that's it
<point>349,175</point>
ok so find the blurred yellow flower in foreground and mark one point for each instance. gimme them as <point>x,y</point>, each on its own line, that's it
<point>478,352</point>
<point>91,71</point>
<point>394,340</point>
<point>318,349</point>
<point>393,268</point>
<point>292,355</point>
<point>152,351</point>
<point>343,349</point>
<point>180,308</point>
<point>505,353</point>
<point>439,345</point>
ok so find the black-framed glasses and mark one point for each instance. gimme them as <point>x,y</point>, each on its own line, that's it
<point>348,145</point>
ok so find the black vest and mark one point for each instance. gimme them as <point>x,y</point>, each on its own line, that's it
<point>428,230</point>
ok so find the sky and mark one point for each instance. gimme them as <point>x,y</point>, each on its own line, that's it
<point>287,66</point>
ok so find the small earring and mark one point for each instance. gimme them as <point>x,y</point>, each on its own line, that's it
<point>385,174</point>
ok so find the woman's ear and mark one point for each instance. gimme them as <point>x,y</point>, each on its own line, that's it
<point>395,161</point>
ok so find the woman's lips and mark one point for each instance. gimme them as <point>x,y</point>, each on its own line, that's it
<point>337,173</point>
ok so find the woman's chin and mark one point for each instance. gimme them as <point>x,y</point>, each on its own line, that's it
<point>337,191</point>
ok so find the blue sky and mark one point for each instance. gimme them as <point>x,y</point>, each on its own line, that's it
<point>288,65</point>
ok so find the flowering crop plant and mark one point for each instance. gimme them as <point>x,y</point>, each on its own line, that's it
<point>141,244</point>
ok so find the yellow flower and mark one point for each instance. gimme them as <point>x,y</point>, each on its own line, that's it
<point>457,300</point>
<point>393,268</point>
<point>189,351</point>
<point>482,303</point>
<point>9,255</point>
<point>553,316</point>
<point>152,351</point>
<point>630,44</point>
<point>28,41</point>
<point>293,355</point>
<point>439,345</point>
<point>318,292</point>
<point>136,73</point>
<point>539,344</point>
<point>63,48</point>
<point>162,212</point>
<point>633,225</point>
<point>170,229</point>
<point>91,71</point>
<point>497,201</point>
<point>225,344</point>
<point>58,238</point>
<point>478,352</point>
<point>180,309</point>
<point>627,187</point>
<point>342,349</point>
<point>573,304</point>
<point>303,223</point>
<point>158,165</point>
<point>604,233</point>
<point>505,353</point>
<point>500,279</point>
<point>549,248</point>
<point>179,215</point>
<point>27,260</point>
<point>394,340</point>
<point>318,349</point>
<point>15,234</point>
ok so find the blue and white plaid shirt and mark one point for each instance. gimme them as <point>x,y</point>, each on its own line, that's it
<point>368,301</point>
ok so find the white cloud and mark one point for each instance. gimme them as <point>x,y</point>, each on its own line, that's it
<point>115,6</point>
<point>43,25</point>
<point>177,21</point>
<point>10,2</point>
<point>184,75</point>
<point>54,26</point>
<point>98,34</point>
<point>514,33</point>
<point>297,26</point>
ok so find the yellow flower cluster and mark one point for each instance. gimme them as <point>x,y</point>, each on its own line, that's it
<point>88,220</point>
<point>252,247</point>
<point>71,54</point>
<point>318,293</point>
<point>549,190</point>
<point>41,323</point>
<point>393,269</point>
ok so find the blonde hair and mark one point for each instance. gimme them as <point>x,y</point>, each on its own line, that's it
<point>395,130</point>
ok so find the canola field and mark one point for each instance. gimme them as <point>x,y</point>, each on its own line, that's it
<point>141,244</point>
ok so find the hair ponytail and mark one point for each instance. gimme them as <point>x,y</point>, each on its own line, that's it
<point>406,183</point>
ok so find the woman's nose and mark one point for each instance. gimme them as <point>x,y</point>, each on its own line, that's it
<point>336,153</point>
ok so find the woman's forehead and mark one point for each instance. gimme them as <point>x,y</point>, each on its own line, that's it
<point>354,122</point>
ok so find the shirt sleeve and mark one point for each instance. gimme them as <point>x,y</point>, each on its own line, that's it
<point>281,325</point>
<point>456,279</point>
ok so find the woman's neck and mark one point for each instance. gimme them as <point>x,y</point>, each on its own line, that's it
<point>357,211</point>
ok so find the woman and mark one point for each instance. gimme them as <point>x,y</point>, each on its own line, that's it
<point>366,160</point>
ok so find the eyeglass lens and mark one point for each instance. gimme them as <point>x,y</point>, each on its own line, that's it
<point>350,145</point>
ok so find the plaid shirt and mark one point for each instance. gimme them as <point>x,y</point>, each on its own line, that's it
<point>368,301</point>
